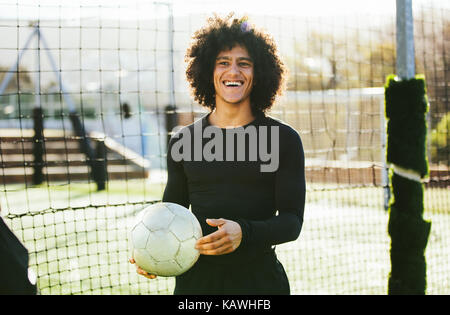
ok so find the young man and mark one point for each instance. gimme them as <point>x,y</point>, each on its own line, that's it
<point>247,193</point>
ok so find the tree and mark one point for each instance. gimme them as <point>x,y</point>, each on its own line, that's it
<point>23,82</point>
<point>341,61</point>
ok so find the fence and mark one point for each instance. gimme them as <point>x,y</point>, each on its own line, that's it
<point>121,66</point>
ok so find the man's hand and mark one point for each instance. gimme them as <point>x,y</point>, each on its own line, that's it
<point>225,240</point>
<point>140,271</point>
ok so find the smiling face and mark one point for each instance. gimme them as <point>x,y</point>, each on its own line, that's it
<point>233,77</point>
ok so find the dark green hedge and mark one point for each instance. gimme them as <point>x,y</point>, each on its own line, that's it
<point>409,236</point>
<point>406,106</point>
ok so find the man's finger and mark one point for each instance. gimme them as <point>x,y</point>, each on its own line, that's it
<point>212,245</point>
<point>145,273</point>
<point>225,249</point>
<point>215,222</point>
<point>211,237</point>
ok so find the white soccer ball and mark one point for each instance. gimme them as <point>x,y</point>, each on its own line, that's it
<point>163,238</point>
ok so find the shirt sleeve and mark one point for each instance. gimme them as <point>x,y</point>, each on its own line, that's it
<point>290,191</point>
<point>176,190</point>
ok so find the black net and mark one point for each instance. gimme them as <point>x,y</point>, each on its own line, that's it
<point>90,91</point>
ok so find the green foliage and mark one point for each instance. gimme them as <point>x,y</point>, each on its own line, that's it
<point>88,112</point>
<point>406,106</point>
<point>22,83</point>
<point>409,236</point>
<point>440,140</point>
<point>329,59</point>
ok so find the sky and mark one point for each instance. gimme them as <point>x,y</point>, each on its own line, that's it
<point>66,9</point>
<point>286,7</point>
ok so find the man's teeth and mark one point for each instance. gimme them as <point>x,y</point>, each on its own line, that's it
<point>233,83</point>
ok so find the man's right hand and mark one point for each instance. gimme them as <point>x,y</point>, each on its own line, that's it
<point>140,271</point>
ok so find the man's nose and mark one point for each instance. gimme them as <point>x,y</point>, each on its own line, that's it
<point>234,68</point>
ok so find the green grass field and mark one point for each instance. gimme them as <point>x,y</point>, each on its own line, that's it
<point>77,239</point>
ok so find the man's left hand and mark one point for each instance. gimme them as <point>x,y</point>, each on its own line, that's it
<point>225,240</point>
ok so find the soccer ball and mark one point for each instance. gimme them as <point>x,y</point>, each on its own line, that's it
<point>162,240</point>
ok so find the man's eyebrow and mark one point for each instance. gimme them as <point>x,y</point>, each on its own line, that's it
<point>239,58</point>
<point>246,58</point>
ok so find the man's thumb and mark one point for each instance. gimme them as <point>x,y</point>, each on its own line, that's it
<point>215,222</point>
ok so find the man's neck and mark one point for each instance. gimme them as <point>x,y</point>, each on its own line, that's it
<point>230,116</point>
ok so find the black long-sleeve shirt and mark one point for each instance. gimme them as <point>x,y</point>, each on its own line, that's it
<point>268,206</point>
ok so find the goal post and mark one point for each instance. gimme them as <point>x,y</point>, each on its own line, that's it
<point>406,108</point>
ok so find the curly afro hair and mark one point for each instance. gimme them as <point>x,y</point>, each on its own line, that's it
<point>222,34</point>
